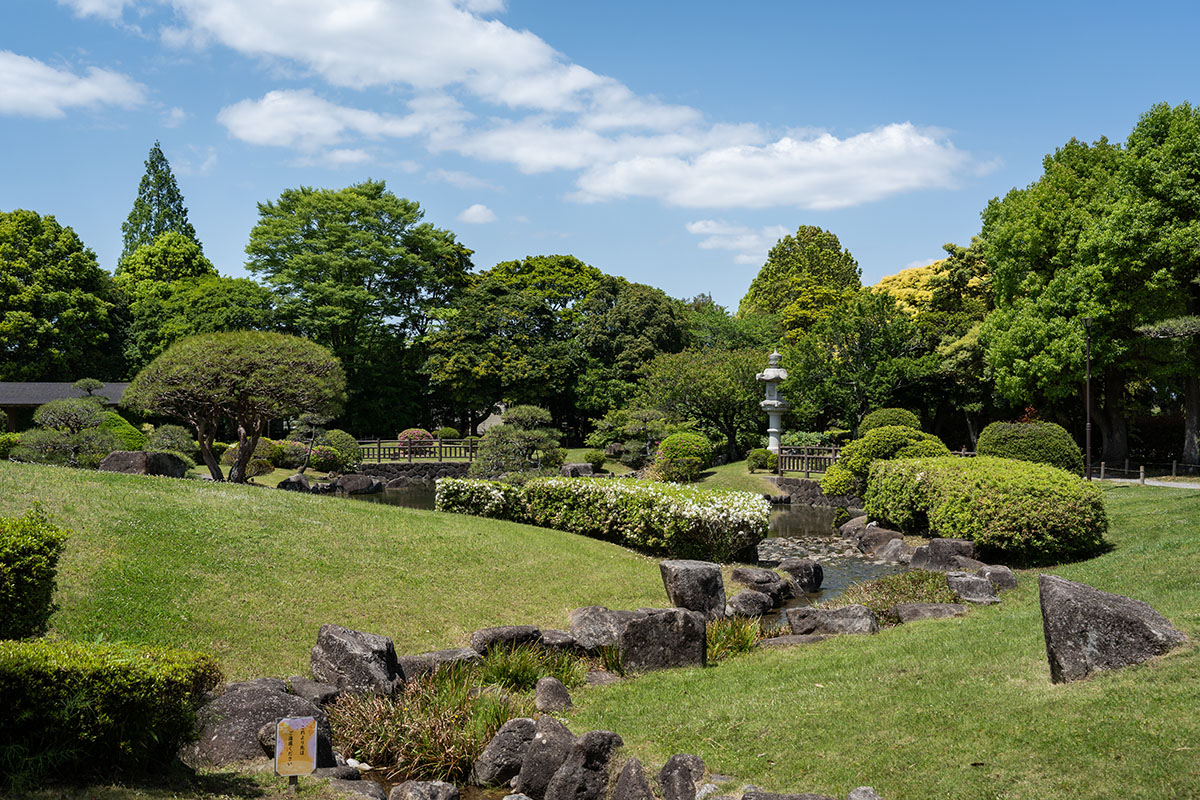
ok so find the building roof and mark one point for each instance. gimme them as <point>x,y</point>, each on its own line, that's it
<point>29,394</point>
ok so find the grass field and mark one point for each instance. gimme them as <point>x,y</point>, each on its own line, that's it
<point>959,709</point>
<point>249,573</point>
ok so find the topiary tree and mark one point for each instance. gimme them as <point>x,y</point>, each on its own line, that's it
<point>247,378</point>
<point>29,549</point>
<point>172,437</point>
<point>89,386</point>
<point>1037,442</point>
<point>130,437</point>
<point>350,454</point>
<point>446,432</point>
<point>682,456</point>
<point>848,475</point>
<point>524,441</point>
<point>882,417</point>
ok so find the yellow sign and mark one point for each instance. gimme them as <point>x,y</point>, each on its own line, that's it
<point>296,746</point>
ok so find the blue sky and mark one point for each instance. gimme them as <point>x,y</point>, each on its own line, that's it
<point>668,142</point>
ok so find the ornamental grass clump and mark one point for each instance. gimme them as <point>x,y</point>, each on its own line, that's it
<point>519,668</point>
<point>731,636</point>
<point>1015,512</point>
<point>880,594</point>
<point>433,729</point>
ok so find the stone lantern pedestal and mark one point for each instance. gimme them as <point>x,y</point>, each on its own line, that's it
<point>774,405</point>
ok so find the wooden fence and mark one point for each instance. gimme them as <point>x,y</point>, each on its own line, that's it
<point>817,459</point>
<point>430,450</point>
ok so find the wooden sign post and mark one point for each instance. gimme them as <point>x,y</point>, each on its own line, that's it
<point>295,748</point>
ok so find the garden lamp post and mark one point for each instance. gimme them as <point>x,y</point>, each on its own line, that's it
<point>774,405</point>
<point>1087,396</point>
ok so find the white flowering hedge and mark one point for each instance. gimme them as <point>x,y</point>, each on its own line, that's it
<point>680,521</point>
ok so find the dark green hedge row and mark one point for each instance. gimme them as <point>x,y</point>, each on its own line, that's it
<point>1016,512</point>
<point>74,709</point>
<point>1038,442</point>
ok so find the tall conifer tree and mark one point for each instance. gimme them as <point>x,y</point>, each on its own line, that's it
<point>158,207</point>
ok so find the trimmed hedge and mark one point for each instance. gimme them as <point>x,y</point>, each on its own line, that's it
<point>883,417</point>
<point>7,442</point>
<point>596,459</point>
<point>29,549</point>
<point>446,432</point>
<point>96,708</point>
<point>131,438</point>
<point>848,475</point>
<point>762,458</point>
<point>1038,442</point>
<point>348,448</point>
<point>1014,511</point>
<point>681,457</point>
<point>680,521</point>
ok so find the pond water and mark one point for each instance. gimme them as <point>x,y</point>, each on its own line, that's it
<point>803,531</point>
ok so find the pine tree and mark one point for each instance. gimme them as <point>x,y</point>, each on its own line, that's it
<point>158,207</point>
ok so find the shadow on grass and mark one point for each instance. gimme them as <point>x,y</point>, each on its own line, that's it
<point>178,781</point>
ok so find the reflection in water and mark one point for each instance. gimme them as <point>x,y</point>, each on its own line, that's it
<point>410,497</point>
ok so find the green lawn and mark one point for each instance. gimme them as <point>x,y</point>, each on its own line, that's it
<point>249,573</point>
<point>735,476</point>
<point>958,708</point>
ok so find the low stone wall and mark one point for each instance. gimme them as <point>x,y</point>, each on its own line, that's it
<point>807,492</point>
<point>416,473</point>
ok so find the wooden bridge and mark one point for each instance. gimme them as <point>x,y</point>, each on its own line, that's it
<point>428,450</point>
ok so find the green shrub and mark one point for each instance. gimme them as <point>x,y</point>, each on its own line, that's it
<point>1015,512</point>
<point>89,708</point>
<point>446,432</point>
<point>325,459</point>
<point>188,461</point>
<point>266,449</point>
<point>686,445</point>
<point>1038,442</point>
<point>173,437</point>
<point>7,442</point>
<point>350,454</point>
<point>848,475</point>
<point>804,439</point>
<point>219,449</point>
<point>86,449</point>
<point>880,594</point>
<point>888,416</point>
<point>433,729</point>
<point>480,499</point>
<point>522,443</point>
<point>259,466</point>
<point>762,458</point>
<point>289,454</point>
<point>29,549</point>
<point>415,440</point>
<point>596,459</point>
<point>72,414</point>
<point>130,437</point>
<point>684,469</point>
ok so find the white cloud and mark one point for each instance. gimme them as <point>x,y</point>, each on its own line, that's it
<point>477,214</point>
<point>921,262</point>
<point>198,161</point>
<point>819,172</point>
<point>546,113</point>
<point>174,117</point>
<point>31,88</point>
<point>108,9</point>
<point>463,180</point>
<point>749,244</point>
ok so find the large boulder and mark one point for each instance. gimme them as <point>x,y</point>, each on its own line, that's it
<point>806,573</point>
<point>584,775</point>
<point>767,581</point>
<point>855,527</point>
<point>548,750</point>
<point>358,484</point>
<point>230,725</point>
<point>972,588</point>
<point>296,483</point>
<point>576,470</point>
<point>807,621</point>
<point>560,642</point>
<point>663,638</point>
<point>756,795</point>
<point>1002,578</point>
<point>423,790</point>
<point>749,603</point>
<point>507,636</point>
<point>551,695</point>
<point>141,462</point>
<point>911,612</point>
<point>595,627</point>
<point>354,661</point>
<point>680,777</point>
<point>501,760</point>
<point>370,789</point>
<point>632,783</point>
<point>694,585</point>
<point>875,537</point>
<point>314,691</point>
<point>939,555</point>
<point>1087,629</point>
<point>893,550</point>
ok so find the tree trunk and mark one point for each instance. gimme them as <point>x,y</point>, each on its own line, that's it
<point>205,438</point>
<point>247,444</point>
<point>1191,423</point>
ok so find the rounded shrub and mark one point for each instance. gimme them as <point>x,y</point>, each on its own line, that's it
<point>1015,512</point>
<point>266,450</point>
<point>7,442</point>
<point>762,458</point>
<point>259,466</point>
<point>596,459</point>
<point>446,432</point>
<point>349,452</point>
<point>325,459</point>
<point>884,417</point>
<point>29,549</point>
<point>418,440</point>
<point>172,437</point>
<point>130,437</point>
<point>289,454</point>
<point>1038,442</point>
<point>848,475</point>
<point>686,445</point>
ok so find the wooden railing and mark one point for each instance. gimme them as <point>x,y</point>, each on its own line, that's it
<point>817,459</point>
<point>435,450</point>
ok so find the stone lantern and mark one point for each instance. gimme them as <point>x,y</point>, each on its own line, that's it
<point>774,405</point>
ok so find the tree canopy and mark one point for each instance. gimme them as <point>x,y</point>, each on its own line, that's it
<point>246,378</point>
<point>158,207</point>
<point>58,308</point>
